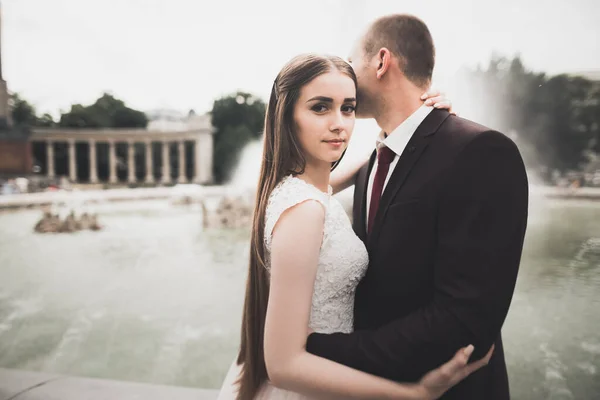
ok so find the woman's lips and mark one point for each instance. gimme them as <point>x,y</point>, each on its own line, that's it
<point>335,142</point>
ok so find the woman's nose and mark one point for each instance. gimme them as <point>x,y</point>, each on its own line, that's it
<point>337,122</point>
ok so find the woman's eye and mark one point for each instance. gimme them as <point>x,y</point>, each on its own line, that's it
<point>348,109</point>
<point>319,108</point>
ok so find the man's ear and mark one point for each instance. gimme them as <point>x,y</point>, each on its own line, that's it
<point>384,62</point>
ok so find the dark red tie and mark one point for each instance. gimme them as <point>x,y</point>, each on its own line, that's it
<point>384,158</point>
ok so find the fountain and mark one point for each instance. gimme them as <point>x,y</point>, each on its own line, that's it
<point>52,223</point>
<point>69,213</point>
<point>231,213</point>
<point>234,206</point>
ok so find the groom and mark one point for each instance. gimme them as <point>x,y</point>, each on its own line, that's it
<point>442,208</point>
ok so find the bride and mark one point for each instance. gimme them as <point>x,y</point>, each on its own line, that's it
<point>305,260</point>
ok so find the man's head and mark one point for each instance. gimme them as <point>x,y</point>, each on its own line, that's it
<point>395,51</point>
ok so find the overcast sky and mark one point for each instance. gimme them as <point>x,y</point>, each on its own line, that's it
<point>182,54</point>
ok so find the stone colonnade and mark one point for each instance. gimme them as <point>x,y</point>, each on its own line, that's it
<point>202,140</point>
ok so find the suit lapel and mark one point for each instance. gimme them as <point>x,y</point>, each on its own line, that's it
<point>360,199</point>
<point>408,159</point>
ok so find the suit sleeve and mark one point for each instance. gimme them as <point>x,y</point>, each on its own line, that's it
<point>481,222</point>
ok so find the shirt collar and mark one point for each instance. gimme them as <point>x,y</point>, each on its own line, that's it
<point>400,136</point>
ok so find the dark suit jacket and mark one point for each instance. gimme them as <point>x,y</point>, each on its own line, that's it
<point>444,255</point>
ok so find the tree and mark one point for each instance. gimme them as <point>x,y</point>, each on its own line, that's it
<point>129,118</point>
<point>106,112</point>
<point>238,119</point>
<point>79,117</point>
<point>23,113</point>
<point>46,121</point>
<point>567,134</point>
<point>594,109</point>
<point>239,109</point>
<point>554,120</point>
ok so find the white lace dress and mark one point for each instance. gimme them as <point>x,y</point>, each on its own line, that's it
<point>343,261</point>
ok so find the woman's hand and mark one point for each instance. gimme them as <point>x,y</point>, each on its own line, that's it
<point>435,383</point>
<point>437,99</point>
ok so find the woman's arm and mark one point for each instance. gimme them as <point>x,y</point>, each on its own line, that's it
<point>344,175</point>
<point>295,251</point>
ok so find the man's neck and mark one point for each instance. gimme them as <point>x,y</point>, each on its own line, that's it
<point>398,108</point>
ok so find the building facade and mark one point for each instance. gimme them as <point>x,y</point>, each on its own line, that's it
<point>188,153</point>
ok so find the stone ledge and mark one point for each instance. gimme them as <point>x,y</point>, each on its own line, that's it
<point>28,385</point>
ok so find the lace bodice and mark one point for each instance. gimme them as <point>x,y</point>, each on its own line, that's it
<point>342,262</point>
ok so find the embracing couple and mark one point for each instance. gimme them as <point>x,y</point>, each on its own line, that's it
<point>408,301</point>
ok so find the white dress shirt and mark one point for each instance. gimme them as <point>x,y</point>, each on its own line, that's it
<point>396,141</point>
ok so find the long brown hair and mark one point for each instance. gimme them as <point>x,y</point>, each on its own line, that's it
<point>282,156</point>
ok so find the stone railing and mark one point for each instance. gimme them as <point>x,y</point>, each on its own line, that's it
<point>27,385</point>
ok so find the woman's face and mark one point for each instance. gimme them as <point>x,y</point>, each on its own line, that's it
<point>324,117</point>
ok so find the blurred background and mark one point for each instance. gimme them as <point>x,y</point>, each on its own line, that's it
<point>130,143</point>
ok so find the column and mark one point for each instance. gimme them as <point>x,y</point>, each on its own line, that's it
<point>50,158</point>
<point>208,155</point>
<point>112,162</point>
<point>72,162</point>
<point>197,158</point>
<point>149,164</point>
<point>166,166</point>
<point>203,167</point>
<point>93,163</point>
<point>182,177</point>
<point>131,162</point>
